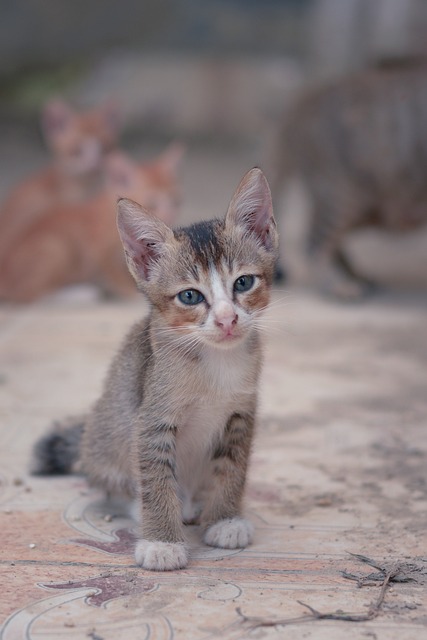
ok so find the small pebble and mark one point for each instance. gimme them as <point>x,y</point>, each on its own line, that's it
<point>108,517</point>
<point>32,545</point>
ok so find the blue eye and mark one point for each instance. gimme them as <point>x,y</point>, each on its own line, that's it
<point>190,296</point>
<point>244,283</point>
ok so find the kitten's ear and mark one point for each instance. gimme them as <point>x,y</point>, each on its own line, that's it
<point>145,238</point>
<point>171,157</point>
<point>251,209</point>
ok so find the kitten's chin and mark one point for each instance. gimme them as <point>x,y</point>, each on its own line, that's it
<point>227,341</point>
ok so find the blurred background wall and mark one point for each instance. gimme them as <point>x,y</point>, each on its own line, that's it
<point>217,74</point>
<point>192,67</point>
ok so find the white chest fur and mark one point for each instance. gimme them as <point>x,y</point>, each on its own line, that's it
<point>224,381</point>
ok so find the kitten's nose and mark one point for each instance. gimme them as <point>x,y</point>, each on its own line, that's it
<point>225,317</point>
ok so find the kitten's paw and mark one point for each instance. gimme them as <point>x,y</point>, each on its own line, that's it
<point>161,556</point>
<point>232,533</point>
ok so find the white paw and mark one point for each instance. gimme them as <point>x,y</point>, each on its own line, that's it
<point>232,533</point>
<point>161,556</point>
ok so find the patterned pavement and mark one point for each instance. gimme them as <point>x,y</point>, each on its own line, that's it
<point>338,468</point>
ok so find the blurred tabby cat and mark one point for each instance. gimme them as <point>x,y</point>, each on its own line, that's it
<point>359,146</point>
<point>174,426</point>
<point>75,243</point>
<point>77,142</point>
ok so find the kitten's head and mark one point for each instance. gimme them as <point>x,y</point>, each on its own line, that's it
<point>78,140</point>
<point>153,184</point>
<point>208,282</point>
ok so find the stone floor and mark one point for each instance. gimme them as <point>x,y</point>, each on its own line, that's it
<point>339,468</point>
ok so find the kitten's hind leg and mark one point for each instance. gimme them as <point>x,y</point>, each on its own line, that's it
<point>330,271</point>
<point>328,276</point>
<point>346,265</point>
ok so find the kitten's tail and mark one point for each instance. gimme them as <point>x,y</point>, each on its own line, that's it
<point>57,453</point>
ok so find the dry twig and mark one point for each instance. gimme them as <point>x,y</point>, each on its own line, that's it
<point>386,576</point>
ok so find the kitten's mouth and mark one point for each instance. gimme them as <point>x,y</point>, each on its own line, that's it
<point>228,338</point>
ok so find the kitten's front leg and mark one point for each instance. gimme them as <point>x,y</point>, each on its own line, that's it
<point>222,515</point>
<point>162,546</point>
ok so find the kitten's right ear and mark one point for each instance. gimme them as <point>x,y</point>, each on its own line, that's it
<point>144,237</point>
<point>251,209</point>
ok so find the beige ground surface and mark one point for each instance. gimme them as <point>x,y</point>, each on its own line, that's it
<point>339,467</point>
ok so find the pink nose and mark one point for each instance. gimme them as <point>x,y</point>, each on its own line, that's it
<point>227,323</point>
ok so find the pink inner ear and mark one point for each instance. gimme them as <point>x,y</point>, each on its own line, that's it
<point>262,226</point>
<point>251,207</point>
<point>140,252</point>
<point>267,240</point>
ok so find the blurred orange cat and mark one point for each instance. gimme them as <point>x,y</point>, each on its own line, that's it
<point>79,243</point>
<point>77,142</point>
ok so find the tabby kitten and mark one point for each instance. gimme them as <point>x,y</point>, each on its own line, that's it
<point>173,428</point>
<point>359,147</point>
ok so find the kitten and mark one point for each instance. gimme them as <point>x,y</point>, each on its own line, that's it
<point>174,425</point>
<point>359,146</point>
<point>77,142</point>
<point>74,243</point>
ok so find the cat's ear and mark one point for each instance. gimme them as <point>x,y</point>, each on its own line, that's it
<point>145,238</point>
<point>251,209</point>
<point>57,116</point>
<point>171,157</point>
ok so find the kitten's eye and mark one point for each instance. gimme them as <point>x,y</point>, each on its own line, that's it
<point>190,296</point>
<point>244,283</point>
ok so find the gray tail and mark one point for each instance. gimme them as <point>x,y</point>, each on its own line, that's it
<point>58,452</point>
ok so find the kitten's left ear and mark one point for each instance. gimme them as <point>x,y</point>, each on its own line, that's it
<point>251,209</point>
<point>145,238</point>
<point>171,157</point>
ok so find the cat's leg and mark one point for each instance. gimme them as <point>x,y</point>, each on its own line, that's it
<point>162,544</point>
<point>224,525</point>
<point>329,272</point>
<point>346,265</point>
